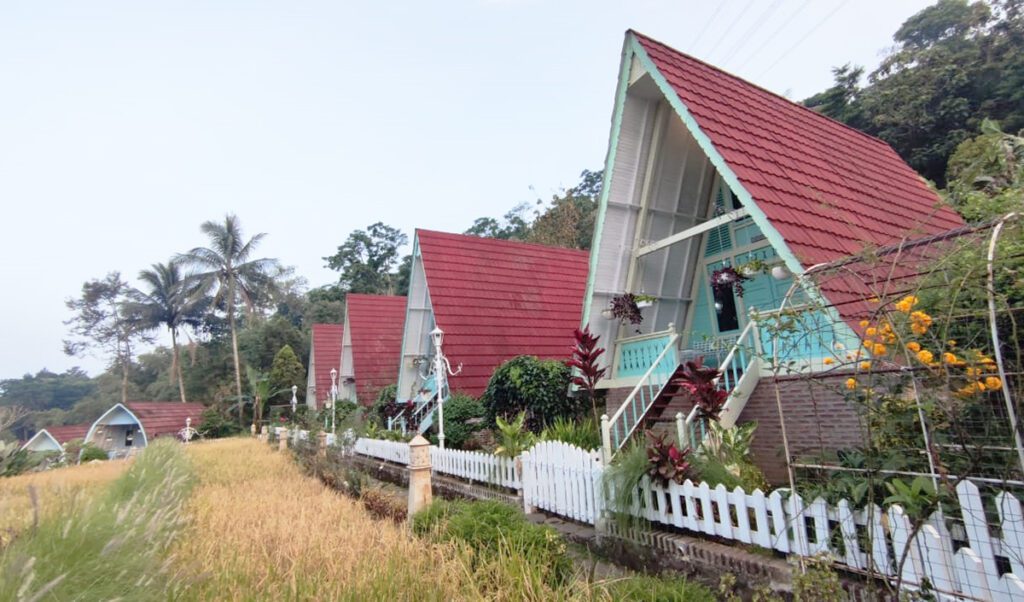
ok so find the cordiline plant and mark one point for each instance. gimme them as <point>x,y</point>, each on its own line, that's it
<point>584,362</point>
<point>700,382</point>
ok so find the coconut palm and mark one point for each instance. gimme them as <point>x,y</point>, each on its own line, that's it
<point>226,269</point>
<point>171,301</point>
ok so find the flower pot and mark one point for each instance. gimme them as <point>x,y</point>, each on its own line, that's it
<point>643,304</point>
<point>607,314</point>
<point>780,272</point>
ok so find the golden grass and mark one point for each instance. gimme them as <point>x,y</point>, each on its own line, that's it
<point>54,490</point>
<point>262,530</point>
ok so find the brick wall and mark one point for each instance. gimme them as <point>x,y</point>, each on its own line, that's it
<point>817,416</point>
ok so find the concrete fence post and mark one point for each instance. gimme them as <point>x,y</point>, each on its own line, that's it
<point>419,474</point>
<point>282,443</point>
<point>321,444</point>
<point>264,433</point>
<point>681,429</point>
<point>252,430</point>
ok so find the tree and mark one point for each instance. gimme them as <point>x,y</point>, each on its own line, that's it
<point>286,372</point>
<point>46,390</point>
<point>367,260</point>
<point>171,301</point>
<point>227,270</point>
<point>569,220</point>
<point>953,65</point>
<point>986,174</point>
<point>103,321</point>
<point>514,225</point>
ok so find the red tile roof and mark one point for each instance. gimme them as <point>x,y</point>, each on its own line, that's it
<point>326,345</point>
<point>375,323</point>
<point>496,299</point>
<point>828,189</point>
<point>160,418</point>
<point>69,432</point>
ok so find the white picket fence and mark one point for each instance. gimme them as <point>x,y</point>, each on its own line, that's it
<point>563,479</point>
<point>392,451</point>
<point>476,466</point>
<point>976,564</point>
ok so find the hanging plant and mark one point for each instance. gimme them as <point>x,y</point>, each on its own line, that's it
<point>626,307</point>
<point>727,278</point>
<point>753,266</point>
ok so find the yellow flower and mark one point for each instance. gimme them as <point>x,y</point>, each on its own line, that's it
<point>968,389</point>
<point>949,358</point>
<point>951,343</point>
<point>851,383</point>
<point>973,371</point>
<point>925,356</point>
<point>865,365</point>
<point>879,349</point>
<point>993,383</point>
<point>871,331</point>
<point>906,303</point>
<point>864,323</point>
<point>828,361</point>
<point>914,346</point>
<point>980,385</point>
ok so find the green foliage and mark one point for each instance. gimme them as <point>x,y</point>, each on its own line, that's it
<point>260,342</point>
<point>513,437</point>
<point>91,452</point>
<point>463,416</point>
<point>584,434</point>
<point>643,588</point>
<point>725,458</point>
<point>286,372</point>
<point>88,549</point>
<point>368,259</point>
<point>620,480</point>
<point>216,424</point>
<point>566,220</point>
<point>527,384</point>
<point>818,582</point>
<point>953,65</point>
<point>46,390</point>
<point>488,526</point>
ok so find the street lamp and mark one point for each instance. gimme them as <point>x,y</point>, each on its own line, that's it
<point>437,336</point>
<point>295,400</point>
<point>332,399</point>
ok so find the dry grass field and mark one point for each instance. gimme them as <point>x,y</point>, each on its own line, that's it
<point>53,490</point>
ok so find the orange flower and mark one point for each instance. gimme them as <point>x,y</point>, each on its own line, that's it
<point>906,304</point>
<point>993,383</point>
<point>925,356</point>
<point>864,323</point>
<point>914,346</point>
<point>851,383</point>
<point>865,365</point>
<point>828,361</point>
<point>879,349</point>
<point>871,331</point>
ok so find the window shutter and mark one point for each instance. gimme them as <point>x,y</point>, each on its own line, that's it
<point>718,238</point>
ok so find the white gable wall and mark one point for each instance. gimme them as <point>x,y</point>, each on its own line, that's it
<point>419,321</point>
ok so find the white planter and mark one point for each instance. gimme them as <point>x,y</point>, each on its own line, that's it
<point>643,304</point>
<point>780,272</point>
<point>607,314</point>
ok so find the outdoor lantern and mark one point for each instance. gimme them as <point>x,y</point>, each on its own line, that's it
<point>437,335</point>
<point>780,272</point>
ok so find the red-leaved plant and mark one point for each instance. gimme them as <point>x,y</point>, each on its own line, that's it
<point>584,362</point>
<point>699,381</point>
<point>667,462</point>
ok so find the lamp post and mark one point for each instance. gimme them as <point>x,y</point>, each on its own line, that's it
<point>332,399</point>
<point>295,400</point>
<point>437,336</point>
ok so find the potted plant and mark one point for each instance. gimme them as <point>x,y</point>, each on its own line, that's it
<point>724,279</point>
<point>752,267</point>
<point>626,307</point>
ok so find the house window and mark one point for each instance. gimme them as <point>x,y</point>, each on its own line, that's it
<point>129,436</point>
<point>725,310</point>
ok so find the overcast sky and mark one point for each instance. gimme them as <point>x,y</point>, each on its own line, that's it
<point>124,125</point>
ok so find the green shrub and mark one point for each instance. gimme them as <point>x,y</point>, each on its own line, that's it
<point>92,452</point>
<point>214,424</point>
<point>463,416</point>
<point>620,480</point>
<point>584,434</point>
<point>489,527</point>
<point>538,387</point>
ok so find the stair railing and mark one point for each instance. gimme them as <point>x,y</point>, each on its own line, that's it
<point>615,431</point>
<point>425,397</point>
<point>740,371</point>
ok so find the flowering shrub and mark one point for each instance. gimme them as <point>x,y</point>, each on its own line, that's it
<point>724,279</point>
<point>625,309</point>
<point>667,462</point>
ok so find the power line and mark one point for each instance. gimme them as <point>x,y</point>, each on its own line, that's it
<point>774,34</point>
<point>760,20</point>
<point>805,36</point>
<point>704,30</point>
<point>722,37</point>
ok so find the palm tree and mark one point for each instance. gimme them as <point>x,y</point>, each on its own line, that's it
<point>170,302</point>
<point>227,270</point>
